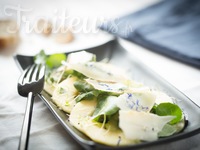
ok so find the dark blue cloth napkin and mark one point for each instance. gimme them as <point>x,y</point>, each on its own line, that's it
<point>170,27</point>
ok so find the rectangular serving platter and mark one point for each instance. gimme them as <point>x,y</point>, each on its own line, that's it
<point>117,55</point>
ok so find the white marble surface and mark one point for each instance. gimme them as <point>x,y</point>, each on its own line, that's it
<point>46,132</point>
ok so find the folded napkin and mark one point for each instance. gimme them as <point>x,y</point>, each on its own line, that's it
<point>170,27</point>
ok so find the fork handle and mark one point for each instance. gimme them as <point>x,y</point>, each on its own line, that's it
<point>24,138</point>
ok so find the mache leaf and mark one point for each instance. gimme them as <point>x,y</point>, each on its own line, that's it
<point>87,96</point>
<point>54,60</point>
<point>83,86</point>
<point>167,130</point>
<point>40,58</point>
<point>106,106</point>
<point>169,109</point>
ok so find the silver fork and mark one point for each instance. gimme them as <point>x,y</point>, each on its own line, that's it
<point>30,83</point>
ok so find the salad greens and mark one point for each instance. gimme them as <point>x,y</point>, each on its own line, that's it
<point>167,130</point>
<point>88,95</point>
<point>83,86</point>
<point>40,58</point>
<point>165,109</point>
<point>106,106</point>
<point>52,61</point>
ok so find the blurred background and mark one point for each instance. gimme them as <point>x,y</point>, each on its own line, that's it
<point>81,19</point>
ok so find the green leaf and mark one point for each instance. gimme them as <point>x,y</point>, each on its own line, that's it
<point>52,61</point>
<point>106,106</point>
<point>55,60</point>
<point>87,96</point>
<point>167,131</point>
<point>62,90</point>
<point>113,123</point>
<point>40,58</point>
<point>83,86</point>
<point>78,74</point>
<point>169,109</point>
<point>153,109</point>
